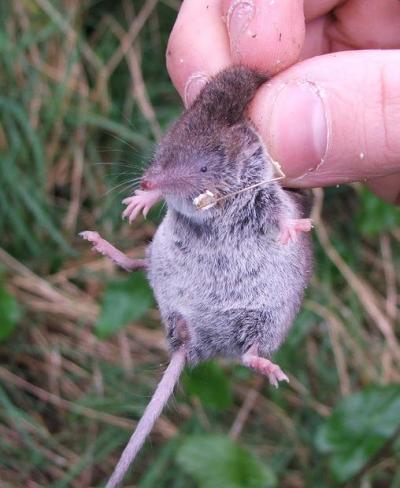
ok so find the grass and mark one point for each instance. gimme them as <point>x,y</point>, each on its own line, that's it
<point>79,116</point>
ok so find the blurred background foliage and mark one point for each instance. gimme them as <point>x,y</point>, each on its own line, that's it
<point>84,95</point>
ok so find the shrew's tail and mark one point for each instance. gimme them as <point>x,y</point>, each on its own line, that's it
<point>150,415</point>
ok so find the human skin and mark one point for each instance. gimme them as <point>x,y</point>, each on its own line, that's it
<point>331,112</point>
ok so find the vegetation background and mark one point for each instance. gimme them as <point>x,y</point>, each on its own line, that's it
<point>84,95</point>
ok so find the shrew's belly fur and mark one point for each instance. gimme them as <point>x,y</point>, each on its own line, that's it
<point>251,273</point>
<point>234,285</point>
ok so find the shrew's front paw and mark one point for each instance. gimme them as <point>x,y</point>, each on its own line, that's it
<point>141,201</point>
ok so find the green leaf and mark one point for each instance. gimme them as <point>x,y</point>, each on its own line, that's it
<point>121,130</point>
<point>10,314</point>
<point>209,382</point>
<point>31,135</point>
<point>358,428</point>
<point>375,216</point>
<point>216,461</point>
<point>124,301</point>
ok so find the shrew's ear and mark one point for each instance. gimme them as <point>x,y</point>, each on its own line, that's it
<point>241,139</point>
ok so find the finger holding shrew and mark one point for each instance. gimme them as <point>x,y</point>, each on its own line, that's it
<point>365,24</point>
<point>355,26</point>
<point>318,8</point>
<point>266,35</point>
<point>198,47</point>
<point>333,118</point>
<point>315,42</point>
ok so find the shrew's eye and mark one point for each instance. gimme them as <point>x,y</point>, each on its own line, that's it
<point>203,169</point>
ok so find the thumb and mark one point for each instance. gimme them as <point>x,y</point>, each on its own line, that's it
<point>333,118</point>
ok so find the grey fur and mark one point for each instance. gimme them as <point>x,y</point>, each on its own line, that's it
<point>222,271</point>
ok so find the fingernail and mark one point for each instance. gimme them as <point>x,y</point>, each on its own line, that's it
<point>239,16</point>
<point>298,129</point>
<point>193,87</point>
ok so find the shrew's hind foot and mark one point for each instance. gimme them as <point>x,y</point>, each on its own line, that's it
<point>264,366</point>
<point>290,228</point>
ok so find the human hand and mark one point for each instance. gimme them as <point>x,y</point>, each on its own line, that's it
<point>333,117</point>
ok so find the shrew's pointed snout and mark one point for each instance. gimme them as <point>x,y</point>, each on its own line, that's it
<point>147,184</point>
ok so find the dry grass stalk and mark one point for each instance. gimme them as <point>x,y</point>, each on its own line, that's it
<point>363,291</point>
<point>365,366</point>
<point>389,269</point>
<point>76,182</point>
<point>138,85</point>
<point>58,19</point>
<point>126,43</point>
<point>163,427</point>
<point>246,408</point>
